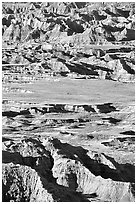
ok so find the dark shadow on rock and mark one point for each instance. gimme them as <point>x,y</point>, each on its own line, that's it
<point>88,108</point>
<point>106,108</point>
<point>13,157</point>
<point>61,193</point>
<point>112,13</point>
<point>10,113</point>
<point>92,195</point>
<point>112,120</point>
<point>122,12</point>
<point>15,113</point>
<point>95,67</point>
<point>80,69</point>
<point>121,49</point>
<point>130,132</point>
<point>97,16</point>
<point>109,28</point>
<point>122,172</point>
<point>127,170</point>
<point>80,4</point>
<point>130,35</point>
<point>127,67</point>
<point>4,139</point>
<point>95,166</point>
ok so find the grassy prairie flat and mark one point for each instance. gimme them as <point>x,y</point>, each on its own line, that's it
<point>76,91</point>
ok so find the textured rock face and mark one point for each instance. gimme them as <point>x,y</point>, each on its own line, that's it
<point>48,170</point>
<point>68,116</point>
<point>96,166</point>
<point>69,31</point>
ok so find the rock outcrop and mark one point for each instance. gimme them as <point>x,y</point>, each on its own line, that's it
<point>63,35</point>
<point>48,170</point>
<point>68,73</point>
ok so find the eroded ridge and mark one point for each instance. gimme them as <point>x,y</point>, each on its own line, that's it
<point>78,40</point>
<point>68,117</point>
<point>48,170</point>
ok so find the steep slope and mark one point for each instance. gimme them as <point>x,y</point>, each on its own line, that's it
<point>48,170</point>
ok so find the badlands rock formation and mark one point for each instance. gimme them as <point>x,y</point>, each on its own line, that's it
<point>94,39</point>
<point>68,102</point>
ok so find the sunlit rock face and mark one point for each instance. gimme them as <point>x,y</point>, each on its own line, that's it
<point>68,117</point>
<point>40,170</point>
<point>66,32</point>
